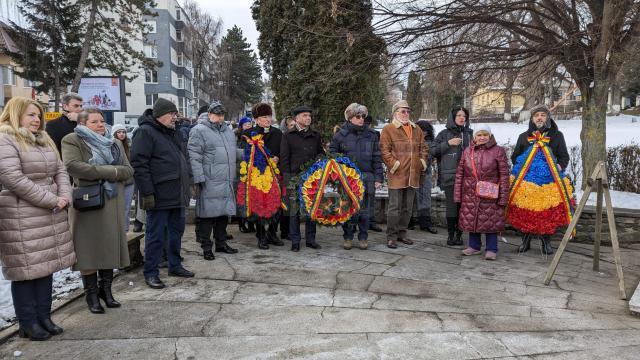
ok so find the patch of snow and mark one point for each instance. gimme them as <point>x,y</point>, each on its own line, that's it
<point>619,199</point>
<point>64,282</point>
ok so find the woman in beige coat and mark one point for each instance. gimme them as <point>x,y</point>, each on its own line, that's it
<point>35,240</point>
<point>98,235</point>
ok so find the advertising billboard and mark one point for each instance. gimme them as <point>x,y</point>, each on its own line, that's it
<point>103,92</point>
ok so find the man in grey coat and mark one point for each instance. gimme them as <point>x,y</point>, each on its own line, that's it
<point>213,152</point>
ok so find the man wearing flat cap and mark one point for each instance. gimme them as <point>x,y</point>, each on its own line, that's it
<point>299,145</point>
<point>162,175</point>
<point>405,153</point>
<point>213,152</point>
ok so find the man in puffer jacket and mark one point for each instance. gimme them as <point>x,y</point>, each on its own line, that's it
<point>162,176</point>
<point>212,152</point>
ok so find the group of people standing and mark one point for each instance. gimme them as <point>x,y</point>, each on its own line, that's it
<point>44,227</point>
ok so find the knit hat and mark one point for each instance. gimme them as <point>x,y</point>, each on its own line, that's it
<point>261,109</point>
<point>163,106</point>
<point>243,121</point>
<point>481,127</point>
<point>301,109</point>
<point>355,109</point>
<point>217,108</point>
<point>400,104</point>
<point>116,128</point>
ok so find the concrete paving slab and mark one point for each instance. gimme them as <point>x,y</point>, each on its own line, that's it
<point>340,320</point>
<point>282,295</point>
<point>415,303</point>
<point>545,342</point>
<point>354,299</point>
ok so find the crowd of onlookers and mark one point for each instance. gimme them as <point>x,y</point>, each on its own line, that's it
<point>68,185</point>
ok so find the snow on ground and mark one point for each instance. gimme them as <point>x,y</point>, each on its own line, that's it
<point>621,130</point>
<point>64,282</point>
<point>619,199</point>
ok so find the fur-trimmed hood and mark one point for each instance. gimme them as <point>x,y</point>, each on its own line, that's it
<point>41,138</point>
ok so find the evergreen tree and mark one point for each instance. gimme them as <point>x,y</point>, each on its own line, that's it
<point>321,54</point>
<point>239,72</point>
<point>49,44</point>
<point>107,35</point>
<point>414,94</point>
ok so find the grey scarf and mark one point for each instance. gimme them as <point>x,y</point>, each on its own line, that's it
<point>104,151</point>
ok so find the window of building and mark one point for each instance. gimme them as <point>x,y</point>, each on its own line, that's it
<point>178,13</point>
<point>8,76</point>
<point>151,99</point>
<point>182,105</point>
<point>180,81</point>
<point>151,26</point>
<point>187,84</point>
<point>150,51</point>
<point>151,76</point>
<point>180,59</point>
<point>178,35</point>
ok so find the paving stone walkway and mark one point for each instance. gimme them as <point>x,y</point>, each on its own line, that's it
<point>423,301</point>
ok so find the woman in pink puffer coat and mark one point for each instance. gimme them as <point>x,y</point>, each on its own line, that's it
<point>481,215</point>
<point>35,240</point>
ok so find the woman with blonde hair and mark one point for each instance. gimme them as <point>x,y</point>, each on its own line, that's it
<point>92,159</point>
<point>35,240</point>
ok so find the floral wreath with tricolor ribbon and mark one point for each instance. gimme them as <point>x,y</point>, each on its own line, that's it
<point>259,192</point>
<point>331,191</point>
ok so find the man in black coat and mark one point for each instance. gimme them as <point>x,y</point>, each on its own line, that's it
<point>262,115</point>
<point>447,148</point>
<point>541,121</point>
<point>362,145</point>
<point>64,125</point>
<point>162,170</point>
<point>299,145</point>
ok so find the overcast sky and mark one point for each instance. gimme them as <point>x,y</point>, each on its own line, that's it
<point>234,12</point>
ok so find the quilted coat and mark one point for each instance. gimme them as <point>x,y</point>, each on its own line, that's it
<point>35,241</point>
<point>213,153</point>
<point>476,214</point>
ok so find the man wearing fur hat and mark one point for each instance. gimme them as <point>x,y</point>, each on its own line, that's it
<point>405,154</point>
<point>540,199</point>
<point>162,175</point>
<point>272,137</point>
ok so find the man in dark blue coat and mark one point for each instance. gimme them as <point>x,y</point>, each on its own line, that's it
<point>162,175</point>
<point>361,145</point>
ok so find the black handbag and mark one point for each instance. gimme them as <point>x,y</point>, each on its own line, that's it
<point>90,197</point>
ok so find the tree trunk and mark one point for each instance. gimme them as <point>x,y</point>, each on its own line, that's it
<point>594,128</point>
<point>86,46</point>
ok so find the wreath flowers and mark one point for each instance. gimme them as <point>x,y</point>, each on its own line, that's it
<point>330,192</point>
<point>259,191</point>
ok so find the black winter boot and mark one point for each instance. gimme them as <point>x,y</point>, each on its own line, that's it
<point>242,224</point>
<point>104,288</point>
<point>90,284</point>
<point>526,243</point>
<point>545,244</point>
<point>458,239</point>
<point>263,243</point>
<point>451,228</point>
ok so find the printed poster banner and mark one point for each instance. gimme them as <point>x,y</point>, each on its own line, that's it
<point>104,93</point>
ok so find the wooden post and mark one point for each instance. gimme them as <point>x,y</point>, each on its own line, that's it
<point>598,235</point>
<point>600,180</point>
<point>613,231</point>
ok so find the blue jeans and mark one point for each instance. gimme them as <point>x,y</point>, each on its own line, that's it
<point>173,220</point>
<point>361,219</point>
<point>294,230</point>
<point>32,299</point>
<point>475,241</point>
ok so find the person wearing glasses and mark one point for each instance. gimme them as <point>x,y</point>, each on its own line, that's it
<point>447,149</point>
<point>405,153</point>
<point>361,144</point>
<point>162,175</point>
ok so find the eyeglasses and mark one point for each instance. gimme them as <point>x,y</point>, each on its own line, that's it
<point>404,111</point>
<point>360,116</point>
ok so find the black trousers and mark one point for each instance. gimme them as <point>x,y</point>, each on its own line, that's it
<point>215,225</point>
<point>32,299</point>
<point>268,230</point>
